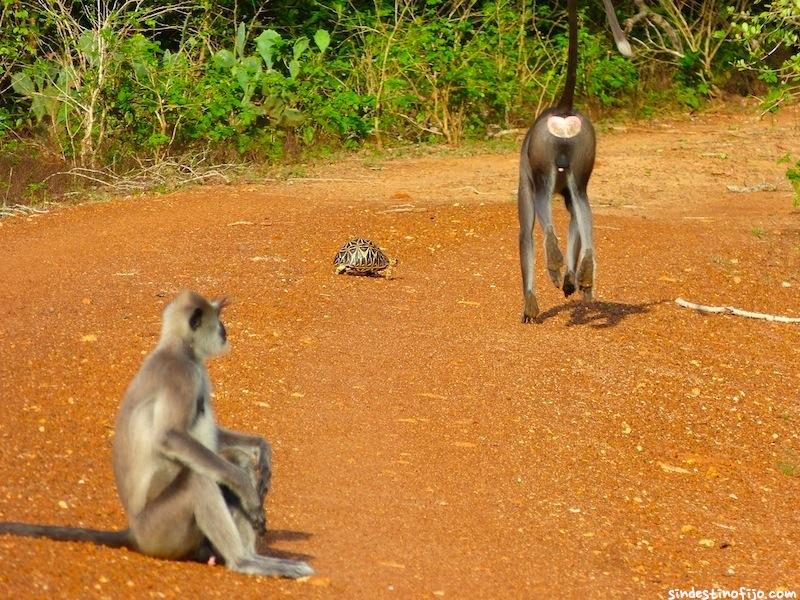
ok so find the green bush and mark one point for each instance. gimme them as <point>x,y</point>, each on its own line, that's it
<point>772,39</point>
<point>793,175</point>
<point>100,84</point>
<point>607,77</point>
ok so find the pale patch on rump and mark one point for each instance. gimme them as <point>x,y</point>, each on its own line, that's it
<point>564,127</point>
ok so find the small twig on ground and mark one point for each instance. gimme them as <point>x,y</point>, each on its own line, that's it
<point>757,187</point>
<point>169,172</point>
<point>20,209</point>
<point>474,190</point>
<point>327,179</point>
<point>504,132</point>
<point>401,209</point>
<point>735,311</point>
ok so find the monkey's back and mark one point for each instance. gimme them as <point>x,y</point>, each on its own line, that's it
<point>147,413</point>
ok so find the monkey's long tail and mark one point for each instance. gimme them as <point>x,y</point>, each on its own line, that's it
<point>568,94</point>
<point>114,539</point>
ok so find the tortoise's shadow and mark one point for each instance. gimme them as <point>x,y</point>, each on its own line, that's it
<point>597,314</point>
<point>265,542</point>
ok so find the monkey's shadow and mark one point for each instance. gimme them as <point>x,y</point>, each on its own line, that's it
<point>265,542</point>
<point>597,314</point>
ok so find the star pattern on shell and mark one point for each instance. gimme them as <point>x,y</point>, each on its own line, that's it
<point>361,256</point>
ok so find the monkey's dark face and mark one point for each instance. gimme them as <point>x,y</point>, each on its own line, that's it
<point>209,336</point>
<point>196,321</point>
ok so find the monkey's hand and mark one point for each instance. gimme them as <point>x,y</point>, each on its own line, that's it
<point>183,448</point>
<point>259,523</point>
<point>252,506</point>
<point>259,456</point>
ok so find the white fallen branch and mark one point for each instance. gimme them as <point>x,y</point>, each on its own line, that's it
<point>735,311</point>
<point>504,132</point>
<point>749,189</point>
<point>20,209</point>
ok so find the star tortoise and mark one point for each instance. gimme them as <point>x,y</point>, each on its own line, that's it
<point>361,256</point>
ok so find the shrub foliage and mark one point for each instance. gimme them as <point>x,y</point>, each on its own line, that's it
<point>104,80</point>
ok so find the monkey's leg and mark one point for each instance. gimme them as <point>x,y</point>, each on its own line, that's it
<point>543,196</point>
<point>246,461</point>
<point>527,253</point>
<point>573,246</point>
<point>586,263</point>
<point>217,522</point>
<point>242,457</point>
<point>193,508</point>
<point>166,527</point>
<point>254,563</point>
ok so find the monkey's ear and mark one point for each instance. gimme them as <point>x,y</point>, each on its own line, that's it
<point>196,318</point>
<point>220,303</point>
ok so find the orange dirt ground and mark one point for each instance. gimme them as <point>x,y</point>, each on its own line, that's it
<point>426,443</point>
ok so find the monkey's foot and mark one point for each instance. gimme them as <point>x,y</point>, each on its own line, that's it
<point>273,567</point>
<point>569,284</point>
<point>531,310</point>
<point>585,274</point>
<point>555,260</point>
<point>588,295</point>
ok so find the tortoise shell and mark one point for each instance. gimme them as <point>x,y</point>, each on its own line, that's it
<point>360,256</point>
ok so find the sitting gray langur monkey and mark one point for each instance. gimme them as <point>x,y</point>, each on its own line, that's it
<point>191,489</point>
<point>558,156</point>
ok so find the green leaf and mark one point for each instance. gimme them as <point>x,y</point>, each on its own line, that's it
<point>294,68</point>
<point>322,39</point>
<point>88,45</point>
<point>265,45</point>
<point>140,69</point>
<point>300,46</point>
<point>291,117</point>
<point>273,106</point>
<point>242,76</point>
<point>246,96</point>
<point>65,78</point>
<point>253,64</point>
<point>38,108</point>
<point>240,39</point>
<point>225,58</point>
<point>23,85</point>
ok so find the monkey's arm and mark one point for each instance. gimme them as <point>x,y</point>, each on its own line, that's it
<point>254,446</point>
<point>183,448</point>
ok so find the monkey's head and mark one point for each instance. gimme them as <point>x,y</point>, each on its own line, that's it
<point>196,322</point>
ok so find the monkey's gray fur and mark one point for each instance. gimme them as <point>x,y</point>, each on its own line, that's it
<point>558,155</point>
<point>190,488</point>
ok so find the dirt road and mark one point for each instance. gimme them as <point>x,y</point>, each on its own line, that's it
<point>426,443</point>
